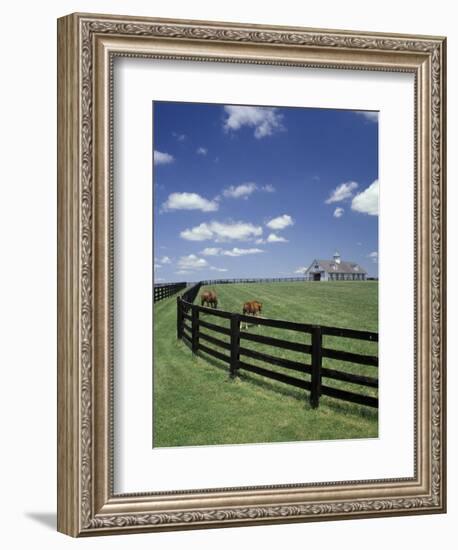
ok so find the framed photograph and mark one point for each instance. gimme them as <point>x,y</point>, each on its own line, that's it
<point>251,288</point>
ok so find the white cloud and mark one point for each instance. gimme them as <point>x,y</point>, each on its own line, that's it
<point>221,232</point>
<point>342,192</point>
<point>164,260</point>
<point>189,201</point>
<point>241,251</point>
<point>202,151</point>
<point>373,256</point>
<point>300,270</point>
<point>269,188</point>
<point>179,137</point>
<point>242,190</point>
<point>211,251</point>
<point>233,252</point>
<point>162,158</point>
<point>272,238</point>
<point>367,201</point>
<point>371,116</point>
<point>160,262</point>
<point>281,222</point>
<point>338,212</point>
<point>201,232</point>
<point>191,262</point>
<point>264,120</point>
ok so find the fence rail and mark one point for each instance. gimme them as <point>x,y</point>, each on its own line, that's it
<point>254,280</point>
<point>237,355</point>
<point>166,290</point>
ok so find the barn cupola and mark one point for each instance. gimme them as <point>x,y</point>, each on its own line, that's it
<point>336,258</point>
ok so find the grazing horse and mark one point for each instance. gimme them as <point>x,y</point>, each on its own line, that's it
<point>209,298</point>
<point>251,308</point>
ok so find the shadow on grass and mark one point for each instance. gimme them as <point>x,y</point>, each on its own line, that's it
<point>265,384</point>
<point>214,362</point>
<point>334,404</point>
<point>346,407</point>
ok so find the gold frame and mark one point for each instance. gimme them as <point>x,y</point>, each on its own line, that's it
<point>87,44</point>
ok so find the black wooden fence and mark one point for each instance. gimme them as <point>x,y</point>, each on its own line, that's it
<point>190,323</point>
<point>189,296</point>
<point>166,290</point>
<point>256,280</point>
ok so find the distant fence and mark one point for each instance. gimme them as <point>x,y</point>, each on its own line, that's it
<point>251,280</point>
<point>189,296</point>
<point>189,328</point>
<point>166,290</point>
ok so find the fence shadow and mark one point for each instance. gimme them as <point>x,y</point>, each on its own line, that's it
<point>282,390</point>
<point>208,359</point>
<point>334,404</point>
<point>346,407</point>
<point>304,397</point>
<point>212,361</point>
<point>286,391</point>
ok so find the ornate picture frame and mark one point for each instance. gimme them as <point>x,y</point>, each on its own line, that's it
<point>87,45</point>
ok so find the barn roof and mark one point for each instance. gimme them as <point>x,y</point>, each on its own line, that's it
<point>342,267</point>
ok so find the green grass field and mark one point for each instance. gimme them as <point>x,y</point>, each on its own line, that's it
<point>195,402</point>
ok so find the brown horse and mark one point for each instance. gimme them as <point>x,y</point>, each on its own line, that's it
<point>251,308</point>
<point>209,299</point>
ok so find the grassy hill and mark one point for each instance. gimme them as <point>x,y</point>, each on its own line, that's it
<point>195,402</point>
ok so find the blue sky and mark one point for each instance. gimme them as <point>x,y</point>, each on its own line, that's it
<point>247,191</point>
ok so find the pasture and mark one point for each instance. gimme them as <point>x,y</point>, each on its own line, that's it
<point>195,402</point>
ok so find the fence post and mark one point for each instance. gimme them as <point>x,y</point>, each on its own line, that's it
<point>179,318</point>
<point>195,329</point>
<point>315,392</point>
<point>235,345</point>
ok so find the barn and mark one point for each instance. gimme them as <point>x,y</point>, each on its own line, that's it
<point>335,270</point>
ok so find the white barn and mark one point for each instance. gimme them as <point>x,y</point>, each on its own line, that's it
<point>335,270</point>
